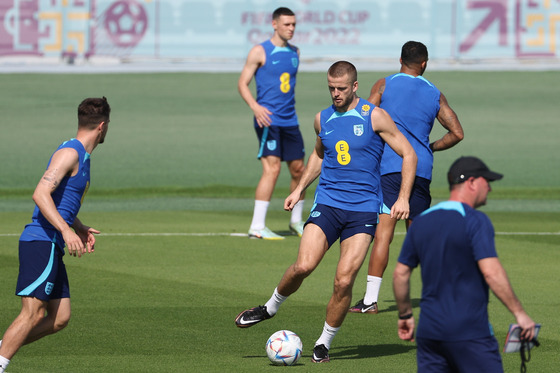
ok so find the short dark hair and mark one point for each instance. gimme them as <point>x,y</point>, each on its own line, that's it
<point>282,11</point>
<point>414,53</point>
<point>93,111</point>
<point>342,68</point>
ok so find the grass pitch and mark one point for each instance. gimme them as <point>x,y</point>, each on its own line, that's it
<point>172,188</point>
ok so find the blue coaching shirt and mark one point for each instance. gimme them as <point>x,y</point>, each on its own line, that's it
<point>447,241</point>
<point>413,104</point>
<point>276,83</point>
<point>67,197</point>
<point>350,178</point>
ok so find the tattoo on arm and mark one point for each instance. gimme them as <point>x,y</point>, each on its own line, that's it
<point>50,178</point>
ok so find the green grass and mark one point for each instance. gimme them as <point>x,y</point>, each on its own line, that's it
<point>180,159</point>
<point>191,130</point>
<point>167,303</point>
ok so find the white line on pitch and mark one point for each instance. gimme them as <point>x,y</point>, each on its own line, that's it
<point>209,234</point>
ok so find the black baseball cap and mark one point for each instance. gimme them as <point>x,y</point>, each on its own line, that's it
<point>466,167</point>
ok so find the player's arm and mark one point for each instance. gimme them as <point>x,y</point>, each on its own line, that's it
<point>255,59</point>
<point>386,128</point>
<point>497,279</point>
<point>64,162</point>
<point>449,120</point>
<point>312,169</point>
<point>401,290</point>
<point>376,92</point>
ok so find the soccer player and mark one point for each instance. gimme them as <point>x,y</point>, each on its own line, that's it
<point>454,245</point>
<point>43,282</point>
<point>274,64</point>
<point>347,154</point>
<point>413,103</point>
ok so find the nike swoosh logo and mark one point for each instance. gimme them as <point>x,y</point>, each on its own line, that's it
<point>364,310</point>
<point>275,62</point>
<point>369,225</point>
<point>242,321</point>
<point>326,133</point>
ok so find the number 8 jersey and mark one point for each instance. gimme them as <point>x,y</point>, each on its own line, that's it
<point>350,176</point>
<point>276,82</point>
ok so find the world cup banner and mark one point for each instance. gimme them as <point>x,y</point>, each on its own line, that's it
<point>224,29</point>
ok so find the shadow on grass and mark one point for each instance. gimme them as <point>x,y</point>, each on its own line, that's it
<point>369,351</point>
<point>393,308</point>
<point>359,352</point>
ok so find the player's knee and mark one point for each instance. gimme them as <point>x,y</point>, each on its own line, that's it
<point>60,324</point>
<point>343,285</point>
<point>303,269</point>
<point>297,172</point>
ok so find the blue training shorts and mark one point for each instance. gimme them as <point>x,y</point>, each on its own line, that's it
<point>42,273</point>
<point>420,198</point>
<point>337,223</point>
<point>478,355</point>
<point>283,142</point>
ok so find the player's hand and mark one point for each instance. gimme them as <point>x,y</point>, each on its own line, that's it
<point>75,245</point>
<point>90,239</point>
<point>406,329</point>
<point>292,199</point>
<point>262,116</point>
<point>400,210</point>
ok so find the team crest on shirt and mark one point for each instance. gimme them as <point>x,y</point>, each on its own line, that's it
<point>294,61</point>
<point>358,129</point>
<point>49,288</point>
<point>271,144</point>
<point>365,110</point>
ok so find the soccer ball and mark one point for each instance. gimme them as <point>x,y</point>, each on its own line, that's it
<point>284,348</point>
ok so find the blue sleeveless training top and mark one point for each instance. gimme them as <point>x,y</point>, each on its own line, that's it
<point>276,82</point>
<point>413,103</point>
<point>350,177</point>
<point>67,197</point>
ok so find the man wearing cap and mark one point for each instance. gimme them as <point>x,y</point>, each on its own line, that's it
<point>454,244</point>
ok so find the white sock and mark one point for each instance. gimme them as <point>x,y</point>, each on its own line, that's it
<point>372,289</point>
<point>259,214</point>
<point>297,212</point>
<point>274,302</point>
<point>327,336</point>
<point>3,363</point>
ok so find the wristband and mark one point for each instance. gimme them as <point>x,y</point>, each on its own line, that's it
<point>405,317</point>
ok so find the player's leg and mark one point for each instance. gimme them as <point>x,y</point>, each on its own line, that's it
<point>56,319</point>
<point>353,251</point>
<point>293,153</point>
<point>270,157</point>
<point>271,166</point>
<point>379,258</point>
<point>31,314</point>
<point>313,246</point>
<point>296,168</point>
<point>312,249</point>
<point>380,252</point>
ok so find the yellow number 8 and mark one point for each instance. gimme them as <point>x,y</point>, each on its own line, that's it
<point>343,156</point>
<point>285,83</point>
